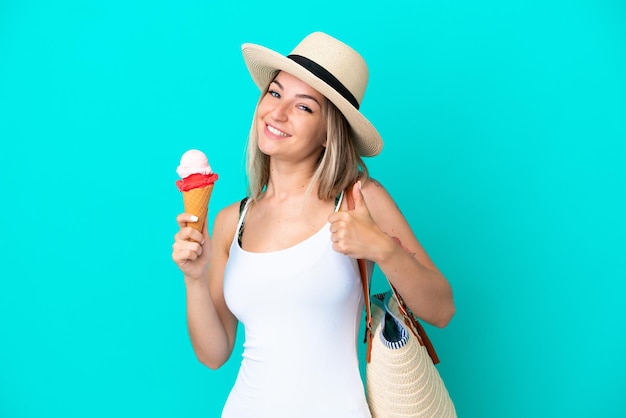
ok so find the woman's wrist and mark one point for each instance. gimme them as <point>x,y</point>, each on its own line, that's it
<point>199,281</point>
<point>388,247</point>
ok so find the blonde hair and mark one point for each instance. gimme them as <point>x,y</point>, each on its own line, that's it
<point>338,166</point>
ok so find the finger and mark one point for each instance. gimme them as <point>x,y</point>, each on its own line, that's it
<point>340,248</point>
<point>180,257</point>
<point>181,246</point>
<point>181,250</point>
<point>337,217</point>
<point>186,251</point>
<point>183,218</point>
<point>357,195</point>
<point>188,255</point>
<point>339,235</point>
<point>188,233</point>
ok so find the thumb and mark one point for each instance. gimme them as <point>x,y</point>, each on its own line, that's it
<point>359,201</point>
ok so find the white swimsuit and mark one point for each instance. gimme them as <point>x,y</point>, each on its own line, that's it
<point>301,309</point>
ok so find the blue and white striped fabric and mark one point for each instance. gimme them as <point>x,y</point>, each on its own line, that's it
<point>394,334</point>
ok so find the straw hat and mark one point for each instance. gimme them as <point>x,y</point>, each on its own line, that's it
<point>329,66</point>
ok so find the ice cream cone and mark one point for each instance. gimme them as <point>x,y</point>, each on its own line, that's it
<point>196,202</point>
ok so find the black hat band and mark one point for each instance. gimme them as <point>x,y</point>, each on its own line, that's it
<point>321,73</point>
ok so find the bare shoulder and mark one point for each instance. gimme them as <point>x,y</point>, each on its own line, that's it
<point>225,225</point>
<point>385,212</point>
<point>377,197</point>
<point>387,215</point>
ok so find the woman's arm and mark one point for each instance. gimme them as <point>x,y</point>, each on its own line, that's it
<point>376,230</point>
<point>212,327</point>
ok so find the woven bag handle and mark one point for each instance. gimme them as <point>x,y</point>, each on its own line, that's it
<point>409,319</point>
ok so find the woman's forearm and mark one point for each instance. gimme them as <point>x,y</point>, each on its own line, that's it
<point>425,291</point>
<point>207,331</point>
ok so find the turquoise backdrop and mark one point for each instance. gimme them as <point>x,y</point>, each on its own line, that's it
<point>505,131</point>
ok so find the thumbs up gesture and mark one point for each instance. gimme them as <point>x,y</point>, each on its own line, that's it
<point>354,232</point>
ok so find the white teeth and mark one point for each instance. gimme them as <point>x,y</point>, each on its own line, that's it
<point>275,131</point>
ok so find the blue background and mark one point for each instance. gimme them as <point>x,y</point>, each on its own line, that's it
<point>505,129</point>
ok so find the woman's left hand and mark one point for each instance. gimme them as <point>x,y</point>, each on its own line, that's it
<point>354,232</point>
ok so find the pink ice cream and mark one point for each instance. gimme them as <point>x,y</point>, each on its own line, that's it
<point>195,171</point>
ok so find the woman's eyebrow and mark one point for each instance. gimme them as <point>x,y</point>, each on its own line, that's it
<point>306,96</point>
<point>300,96</point>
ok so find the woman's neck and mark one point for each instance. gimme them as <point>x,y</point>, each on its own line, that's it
<point>289,181</point>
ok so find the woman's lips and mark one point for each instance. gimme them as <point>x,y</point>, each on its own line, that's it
<point>275,131</point>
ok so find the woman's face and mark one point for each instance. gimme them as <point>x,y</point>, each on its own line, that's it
<point>290,120</point>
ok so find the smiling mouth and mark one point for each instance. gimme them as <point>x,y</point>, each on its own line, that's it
<point>275,131</point>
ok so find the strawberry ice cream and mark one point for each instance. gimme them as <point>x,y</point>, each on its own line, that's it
<point>196,184</point>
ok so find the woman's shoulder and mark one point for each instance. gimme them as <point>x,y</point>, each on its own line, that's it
<point>379,201</point>
<point>373,189</point>
<point>226,221</point>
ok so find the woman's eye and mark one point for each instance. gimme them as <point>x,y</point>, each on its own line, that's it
<point>273,93</point>
<point>305,108</point>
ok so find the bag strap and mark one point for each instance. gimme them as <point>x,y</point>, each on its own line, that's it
<point>409,318</point>
<point>366,288</point>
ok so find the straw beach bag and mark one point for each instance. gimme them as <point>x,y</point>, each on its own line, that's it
<point>401,377</point>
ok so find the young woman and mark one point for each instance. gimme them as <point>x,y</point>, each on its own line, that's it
<point>283,261</point>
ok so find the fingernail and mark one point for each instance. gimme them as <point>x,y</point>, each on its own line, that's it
<point>202,243</point>
<point>359,185</point>
<point>193,218</point>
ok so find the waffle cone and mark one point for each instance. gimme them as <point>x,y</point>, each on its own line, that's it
<point>196,202</point>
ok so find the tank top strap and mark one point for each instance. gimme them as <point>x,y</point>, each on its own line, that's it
<point>338,201</point>
<point>243,208</point>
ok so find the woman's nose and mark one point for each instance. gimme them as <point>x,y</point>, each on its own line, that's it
<point>279,112</point>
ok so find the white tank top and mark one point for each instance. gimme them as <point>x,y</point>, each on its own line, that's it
<point>301,309</point>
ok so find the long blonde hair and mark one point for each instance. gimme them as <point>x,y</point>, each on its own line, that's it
<point>338,166</point>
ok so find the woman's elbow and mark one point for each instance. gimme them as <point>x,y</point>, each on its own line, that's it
<point>210,363</point>
<point>445,316</point>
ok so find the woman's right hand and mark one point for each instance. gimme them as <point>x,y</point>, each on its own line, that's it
<point>191,249</point>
